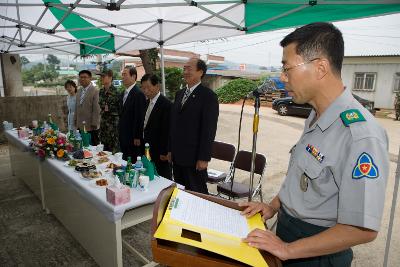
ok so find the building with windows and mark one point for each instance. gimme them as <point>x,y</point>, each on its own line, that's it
<point>375,77</point>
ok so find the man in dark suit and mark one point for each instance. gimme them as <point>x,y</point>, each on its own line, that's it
<point>156,124</point>
<point>194,117</point>
<point>133,107</point>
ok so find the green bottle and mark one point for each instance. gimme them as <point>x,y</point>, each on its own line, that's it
<point>128,170</point>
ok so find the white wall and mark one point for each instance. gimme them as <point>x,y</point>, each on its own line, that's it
<point>385,70</point>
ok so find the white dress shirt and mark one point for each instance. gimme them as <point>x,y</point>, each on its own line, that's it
<point>127,92</point>
<point>150,109</point>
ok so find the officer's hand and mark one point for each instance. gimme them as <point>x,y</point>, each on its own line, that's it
<point>163,157</point>
<point>253,208</point>
<point>268,241</point>
<point>136,142</point>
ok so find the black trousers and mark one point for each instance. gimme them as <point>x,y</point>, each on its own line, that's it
<point>163,168</point>
<point>94,137</point>
<point>191,178</point>
<point>290,229</point>
<point>131,151</point>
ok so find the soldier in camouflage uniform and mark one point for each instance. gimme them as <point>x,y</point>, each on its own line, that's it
<point>109,104</point>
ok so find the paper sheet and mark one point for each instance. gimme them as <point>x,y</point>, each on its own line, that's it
<point>193,210</point>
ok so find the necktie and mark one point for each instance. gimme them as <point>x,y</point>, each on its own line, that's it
<point>148,112</point>
<point>185,96</point>
<point>82,95</point>
<point>125,97</point>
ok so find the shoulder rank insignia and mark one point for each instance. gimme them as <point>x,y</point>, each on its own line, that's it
<point>350,116</point>
<point>365,167</point>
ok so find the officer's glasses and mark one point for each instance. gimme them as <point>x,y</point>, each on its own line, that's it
<point>285,70</point>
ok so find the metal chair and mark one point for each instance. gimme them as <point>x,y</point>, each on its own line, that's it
<point>221,151</point>
<point>242,161</point>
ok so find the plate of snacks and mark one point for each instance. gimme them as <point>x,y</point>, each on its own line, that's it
<point>112,165</point>
<point>101,182</point>
<point>103,153</point>
<point>103,159</point>
<point>84,166</point>
<point>91,174</point>
<point>71,163</point>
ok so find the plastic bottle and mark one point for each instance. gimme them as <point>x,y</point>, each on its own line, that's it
<point>50,119</point>
<point>78,141</point>
<point>139,163</point>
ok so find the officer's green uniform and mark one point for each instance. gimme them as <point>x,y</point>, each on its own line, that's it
<point>109,105</point>
<point>337,174</point>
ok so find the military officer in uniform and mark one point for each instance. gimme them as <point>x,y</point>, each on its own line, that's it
<point>109,110</point>
<point>333,195</point>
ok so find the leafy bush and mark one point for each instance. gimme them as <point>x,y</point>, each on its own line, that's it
<point>235,90</point>
<point>173,80</point>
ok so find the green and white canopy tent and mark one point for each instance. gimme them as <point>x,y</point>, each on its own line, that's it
<point>87,27</point>
<point>84,27</point>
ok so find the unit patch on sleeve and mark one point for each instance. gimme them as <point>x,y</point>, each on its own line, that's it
<point>350,116</point>
<point>365,167</point>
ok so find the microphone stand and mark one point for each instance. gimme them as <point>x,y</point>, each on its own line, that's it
<point>256,119</point>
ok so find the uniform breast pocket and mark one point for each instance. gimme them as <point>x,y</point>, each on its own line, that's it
<point>316,181</point>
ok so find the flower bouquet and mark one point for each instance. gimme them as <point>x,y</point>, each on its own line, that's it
<point>51,143</point>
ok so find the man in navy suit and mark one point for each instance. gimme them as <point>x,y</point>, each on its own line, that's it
<point>194,117</point>
<point>133,107</point>
<point>156,124</point>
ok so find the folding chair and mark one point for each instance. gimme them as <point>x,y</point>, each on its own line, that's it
<point>221,151</point>
<point>242,161</point>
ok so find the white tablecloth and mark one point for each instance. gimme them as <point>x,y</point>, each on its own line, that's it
<point>96,195</point>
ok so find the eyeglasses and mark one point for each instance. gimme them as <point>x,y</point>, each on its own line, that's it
<point>286,70</point>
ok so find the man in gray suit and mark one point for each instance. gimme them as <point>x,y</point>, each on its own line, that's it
<point>87,107</point>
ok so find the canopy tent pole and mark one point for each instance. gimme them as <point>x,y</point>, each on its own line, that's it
<point>160,21</point>
<point>392,211</point>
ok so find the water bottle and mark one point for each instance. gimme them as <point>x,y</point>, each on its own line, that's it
<point>138,167</point>
<point>78,141</point>
<point>139,163</point>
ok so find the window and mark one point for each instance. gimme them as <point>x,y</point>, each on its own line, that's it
<point>396,87</point>
<point>364,81</point>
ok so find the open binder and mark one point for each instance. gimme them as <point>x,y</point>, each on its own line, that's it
<point>178,243</point>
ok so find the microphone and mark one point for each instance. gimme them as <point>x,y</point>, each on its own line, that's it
<point>261,89</point>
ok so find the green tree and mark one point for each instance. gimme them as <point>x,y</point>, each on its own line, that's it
<point>173,80</point>
<point>235,90</point>
<point>52,60</point>
<point>38,73</point>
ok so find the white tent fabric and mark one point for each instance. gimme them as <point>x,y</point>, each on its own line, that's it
<point>24,27</point>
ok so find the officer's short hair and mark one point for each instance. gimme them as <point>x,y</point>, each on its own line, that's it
<point>150,77</point>
<point>318,39</point>
<point>201,65</point>
<point>85,72</point>
<point>132,71</point>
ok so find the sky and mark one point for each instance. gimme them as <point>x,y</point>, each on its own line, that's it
<point>370,36</point>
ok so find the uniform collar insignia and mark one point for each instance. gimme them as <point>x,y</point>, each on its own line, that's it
<point>350,116</point>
